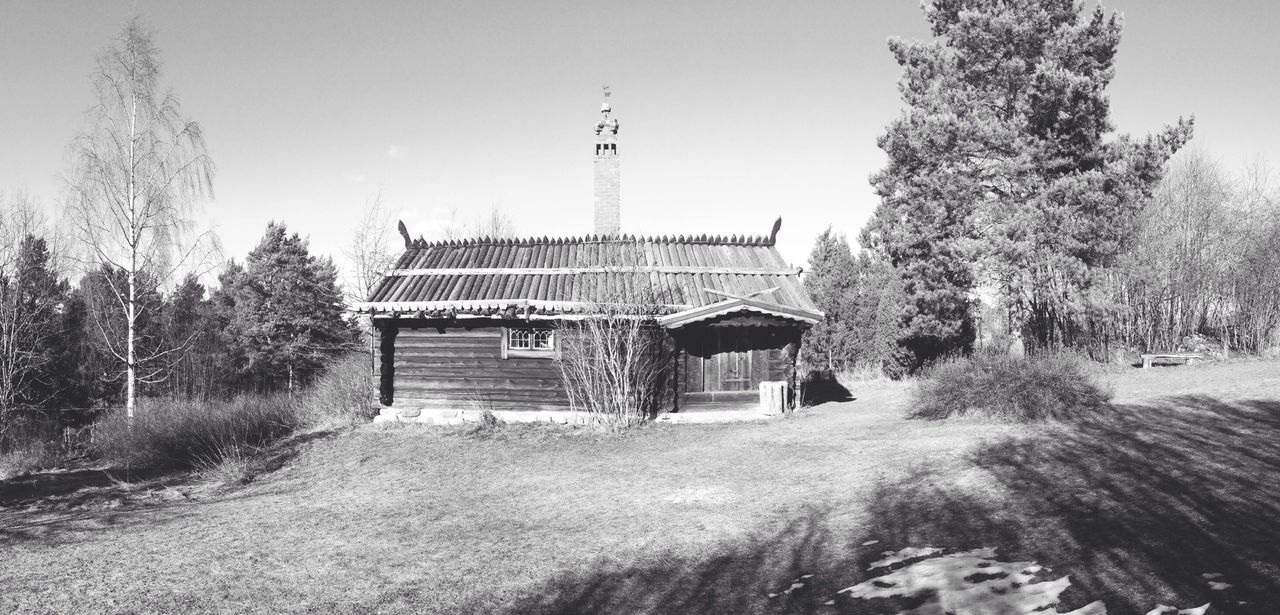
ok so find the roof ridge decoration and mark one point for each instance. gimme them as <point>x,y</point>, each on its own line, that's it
<point>704,238</point>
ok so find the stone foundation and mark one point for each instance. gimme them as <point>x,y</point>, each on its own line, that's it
<point>391,414</point>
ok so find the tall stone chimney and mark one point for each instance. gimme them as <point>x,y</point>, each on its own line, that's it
<point>608,196</point>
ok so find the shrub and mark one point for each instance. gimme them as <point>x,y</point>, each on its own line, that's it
<point>345,394</point>
<point>613,367</point>
<point>1018,388</point>
<point>191,434</point>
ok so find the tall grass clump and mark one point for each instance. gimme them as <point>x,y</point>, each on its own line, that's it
<point>27,456</point>
<point>345,394</point>
<point>27,445</point>
<point>1040,387</point>
<point>173,434</point>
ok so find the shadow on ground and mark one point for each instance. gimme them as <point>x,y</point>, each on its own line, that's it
<point>1176,502</point>
<point>823,391</point>
<point>47,507</point>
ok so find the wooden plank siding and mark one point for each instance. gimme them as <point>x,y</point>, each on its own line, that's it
<point>459,368</point>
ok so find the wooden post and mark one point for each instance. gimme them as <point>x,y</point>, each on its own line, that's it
<point>387,382</point>
<point>792,351</point>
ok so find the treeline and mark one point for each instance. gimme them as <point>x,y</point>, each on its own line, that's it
<point>270,324</point>
<point>1203,271</point>
<point>1013,215</point>
<point>1205,262</point>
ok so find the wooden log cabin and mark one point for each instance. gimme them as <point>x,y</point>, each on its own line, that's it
<point>477,323</point>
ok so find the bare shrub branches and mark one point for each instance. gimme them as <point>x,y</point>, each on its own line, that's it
<point>372,251</point>
<point>615,360</point>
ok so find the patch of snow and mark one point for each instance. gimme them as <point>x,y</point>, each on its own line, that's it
<point>1162,609</point>
<point>966,582</point>
<point>796,584</point>
<point>904,555</point>
<point>975,583</point>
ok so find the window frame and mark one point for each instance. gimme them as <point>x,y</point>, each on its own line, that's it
<point>552,351</point>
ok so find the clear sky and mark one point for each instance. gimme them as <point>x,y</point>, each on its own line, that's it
<point>733,112</point>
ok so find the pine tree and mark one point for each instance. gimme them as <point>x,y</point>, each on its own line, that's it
<point>828,280</point>
<point>861,297</point>
<point>30,327</point>
<point>288,311</point>
<point>190,322</point>
<point>1003,169</point>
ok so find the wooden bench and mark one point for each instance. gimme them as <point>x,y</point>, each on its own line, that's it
<point>1189,359</point>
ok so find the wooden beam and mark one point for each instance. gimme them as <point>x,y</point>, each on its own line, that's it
<point>744,297</point>
<point>587,270</point>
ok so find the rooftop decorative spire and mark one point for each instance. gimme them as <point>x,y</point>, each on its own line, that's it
<point>606,122</point>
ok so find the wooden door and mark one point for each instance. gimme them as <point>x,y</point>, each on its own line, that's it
<point>734,371</point>
<point>727,363</point>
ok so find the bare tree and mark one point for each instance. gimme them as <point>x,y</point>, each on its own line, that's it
<point>496,225</point>
<point>371,254</point>
<point>141,167</point>
<point>372,250</point>
<point>29,323</point>
<point>1203,261</point>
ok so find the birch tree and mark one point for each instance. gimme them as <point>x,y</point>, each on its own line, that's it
<point>373,251</point>
<point>140,170</point>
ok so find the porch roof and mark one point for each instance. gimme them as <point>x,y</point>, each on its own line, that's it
<point>738,305</point>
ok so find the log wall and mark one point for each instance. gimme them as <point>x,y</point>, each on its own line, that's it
<point>463,369</point>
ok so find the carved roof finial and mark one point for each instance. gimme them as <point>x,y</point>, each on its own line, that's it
<point>606,122</point>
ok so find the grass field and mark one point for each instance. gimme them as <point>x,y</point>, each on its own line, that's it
<point>1180,480</point>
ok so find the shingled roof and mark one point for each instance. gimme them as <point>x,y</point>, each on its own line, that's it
<point>555,277</point>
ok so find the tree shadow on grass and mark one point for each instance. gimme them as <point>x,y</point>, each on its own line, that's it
<point>796,563</point>
<point>1140,505</point>
<point>50,507</point>
<point>1147,504</point>
<point>37,486</point>
<point>1175,502</point>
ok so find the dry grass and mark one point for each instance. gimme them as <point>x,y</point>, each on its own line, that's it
<point>693,519</point>
<point>26,457</point>
<point>169,434</point>
<point>344,395</point>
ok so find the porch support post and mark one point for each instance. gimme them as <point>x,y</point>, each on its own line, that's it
<point>387,380</point>
<point>792,352</point>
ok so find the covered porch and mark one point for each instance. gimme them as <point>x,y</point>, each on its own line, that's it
<point>724,351</point>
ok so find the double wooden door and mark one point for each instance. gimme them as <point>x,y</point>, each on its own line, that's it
<point>729,371</point>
